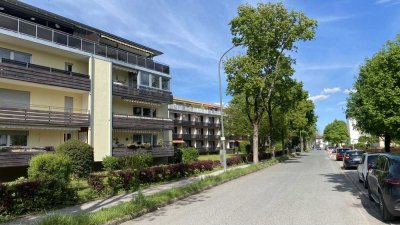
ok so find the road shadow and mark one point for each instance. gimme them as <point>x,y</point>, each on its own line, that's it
<point>345,184</point>
<point>291,160</point>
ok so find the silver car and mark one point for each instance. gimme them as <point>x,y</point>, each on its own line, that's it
<point>367,161</point>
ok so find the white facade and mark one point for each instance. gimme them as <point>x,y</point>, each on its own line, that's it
<point>353,131</point>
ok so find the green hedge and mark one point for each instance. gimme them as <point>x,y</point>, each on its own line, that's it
<point>81,155</point>
<point>136,162</point>
<point>111,163</point>
<point>189,154</point>
<point>49,166</point>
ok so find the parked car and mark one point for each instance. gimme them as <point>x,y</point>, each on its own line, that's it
<point>332,154</point>
<point>352,158</point>
<point>367,161</point>
<point>384,185</point>
<point>340,153</point>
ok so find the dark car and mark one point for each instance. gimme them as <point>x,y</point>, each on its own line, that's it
<point>352,158</point>
<point>384,185</point>
<point>340,153</point>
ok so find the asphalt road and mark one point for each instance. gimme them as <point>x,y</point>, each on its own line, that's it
<point>311,190</point>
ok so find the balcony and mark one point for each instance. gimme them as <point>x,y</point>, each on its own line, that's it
<point>44,33</point>
<point>156,151</point>
<point>206,150</point>
<point>142,94</point>
<point>15,70</point>
<point>192,109</point>
<point>45,116</point>
<point>14,159</point>
<point>145,123</point>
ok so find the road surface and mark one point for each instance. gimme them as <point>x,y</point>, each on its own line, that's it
<point>310,190</point>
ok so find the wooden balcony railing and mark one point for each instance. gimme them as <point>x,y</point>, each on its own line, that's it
<point>14,159</point>
<point>146,123</point>
<point>156,151</point>
<point>15,70</point>
<point>142,94</point>
<point>35,117</point>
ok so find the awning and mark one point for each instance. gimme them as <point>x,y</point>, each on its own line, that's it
<point>178,142</point>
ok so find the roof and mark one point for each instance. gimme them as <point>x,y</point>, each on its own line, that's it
<point>189,101</point>
<point>56,17</point>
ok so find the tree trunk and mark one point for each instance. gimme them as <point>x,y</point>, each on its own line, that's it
<point>387,142</point>
<point>301,143</point>
<point>255,143</point>
<point>271,130</point>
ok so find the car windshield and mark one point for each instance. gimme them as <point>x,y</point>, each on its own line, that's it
<point>343,150</point>
<point>355,153</point>
<point>372,159</point>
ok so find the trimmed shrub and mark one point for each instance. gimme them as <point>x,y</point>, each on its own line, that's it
<point>177,156</point>
<point>234,161</point>
<point>124,179</point>
<point>111,163</point>
<point>189,154</point>
<point>96,182</point>
<point>49,166</point>
<point>81,155</point>
<point>136,162</point>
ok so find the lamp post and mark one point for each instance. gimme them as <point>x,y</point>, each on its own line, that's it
<point>223,151</point>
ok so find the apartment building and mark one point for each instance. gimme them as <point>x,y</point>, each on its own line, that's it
<point>196,124</point>
<point>61,79</point>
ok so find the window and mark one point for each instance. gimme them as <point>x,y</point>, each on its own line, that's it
<point>145,79</point>
<point>68,67</point>
<point>147,112</point>
<point>67,136</point>
<point>154,113</point>
<point>18,140</point>
<point>3,140</point>
<point>137,138</point>
<point>147,138</point>
<point>155,81</point>
<point>137,111</point>
<point>155,140</point>
<point>14,55</point>
<point>165,83</point>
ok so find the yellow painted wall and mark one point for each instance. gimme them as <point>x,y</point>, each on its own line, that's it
<point>101,110</point>
<point>50,60</point>
<point>43,138</point>
<point>49,97</point>
<point>121,107</point>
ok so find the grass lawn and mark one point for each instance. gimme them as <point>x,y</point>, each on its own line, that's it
<point>215,156</point>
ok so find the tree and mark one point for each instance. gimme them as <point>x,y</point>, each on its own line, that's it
<point>336,132</point>
<point>268,33</point>
<point>375,102</point>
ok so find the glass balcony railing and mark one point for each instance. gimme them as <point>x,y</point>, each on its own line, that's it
<point>192,109</point>
<point>44,33</point>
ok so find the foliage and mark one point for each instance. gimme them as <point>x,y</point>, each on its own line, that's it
<point>49,166</point>
<point>234,161</point>
<point>81,155</point>
<point>177,155</point>
<point>336,132</point>
<point>245,147</point>
<point>375,101</point>
<point>189,154</point>
<point>268,33</point>
<point>136,162</point>
<point>111,163</point>
<point>123,179</point>
<point>33,196</point>
<point>96,183</point>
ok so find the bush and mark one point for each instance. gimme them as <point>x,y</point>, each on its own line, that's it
<point>136,162</point>
<point>124,179</point>
<point>81,155</point>
<point>96,182</point>
<point>245,147</point>
<point>33,196</point>
<point>234,161</point>
<point>49,166</point>
<point>189,154</point>
<point>111,163</point>
<point>177,156</point>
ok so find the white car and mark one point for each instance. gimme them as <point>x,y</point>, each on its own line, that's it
<point>332,154</point>
<point>366,163</point>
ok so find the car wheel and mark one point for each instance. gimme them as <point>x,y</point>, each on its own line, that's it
<point>386,216</point>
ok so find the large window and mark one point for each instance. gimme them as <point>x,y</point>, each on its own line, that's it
<point>14,55</point>
<point>147,138</point>
<point>145,79</point>
<point>143,111</point>
<point>165,84</point>
<point>155,81</point>
<point>13,138</point>
<point>147,112</point>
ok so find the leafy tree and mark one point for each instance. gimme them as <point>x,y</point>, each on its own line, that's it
<point>268,33</point>
<point>336,132</point>
<point>375,103</point>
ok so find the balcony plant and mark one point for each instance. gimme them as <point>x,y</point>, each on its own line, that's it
<point>147,145</point>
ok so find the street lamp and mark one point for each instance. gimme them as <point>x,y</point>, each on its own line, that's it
<point>223,151</point>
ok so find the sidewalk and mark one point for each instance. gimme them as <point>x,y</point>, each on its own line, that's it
<point>96,205</point>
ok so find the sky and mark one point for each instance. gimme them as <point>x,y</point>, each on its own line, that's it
<point>193,35</point>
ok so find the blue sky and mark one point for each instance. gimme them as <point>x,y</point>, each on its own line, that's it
<point>193,34</point>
